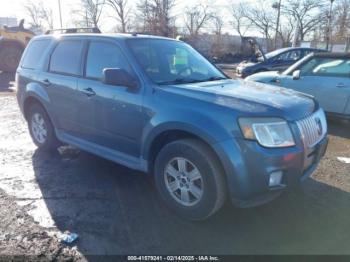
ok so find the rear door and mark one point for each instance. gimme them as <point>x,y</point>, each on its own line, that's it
<point>110,116</point>
<point>327,79</point>
<point>64,68</point>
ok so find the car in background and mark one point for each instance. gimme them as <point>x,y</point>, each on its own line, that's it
<point>326,76</point>
<point>277,60</point>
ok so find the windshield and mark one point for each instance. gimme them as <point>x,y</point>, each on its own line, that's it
<point>274,53</point>
<point>172,62</point>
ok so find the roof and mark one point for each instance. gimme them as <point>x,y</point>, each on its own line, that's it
<point>332,55</point>
<point>97,35</point>
<point>294,48</point>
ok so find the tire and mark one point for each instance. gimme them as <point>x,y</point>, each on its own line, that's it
<point>41,129</point>
<point>9,58</point>
<point>197,198</point>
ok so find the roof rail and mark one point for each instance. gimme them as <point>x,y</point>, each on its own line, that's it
<point>139,33</point>
<point>74,30</point>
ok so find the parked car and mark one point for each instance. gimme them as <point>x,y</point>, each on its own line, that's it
<point>324,76</point>
<point>277,60</point>
<point>156,105</point>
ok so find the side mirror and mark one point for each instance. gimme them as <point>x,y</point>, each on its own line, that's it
<point>296,75</point>
<point>118,77</point>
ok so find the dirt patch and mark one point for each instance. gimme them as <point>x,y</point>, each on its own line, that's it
<point>20,235</point>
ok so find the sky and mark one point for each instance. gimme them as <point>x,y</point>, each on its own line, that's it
<point>14,8</point>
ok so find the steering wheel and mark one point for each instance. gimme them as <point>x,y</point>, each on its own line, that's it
<point>182,70</point>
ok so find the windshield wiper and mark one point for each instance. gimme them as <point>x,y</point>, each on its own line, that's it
<point>178,81</point>
<point>214,78</point>
<point>188,80</point>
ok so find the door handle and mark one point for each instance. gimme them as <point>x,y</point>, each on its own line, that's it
<point>340,85</point>
<point>46,82</point>
<point>89,91</point>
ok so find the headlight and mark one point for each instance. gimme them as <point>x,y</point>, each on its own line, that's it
<point>269,132</point>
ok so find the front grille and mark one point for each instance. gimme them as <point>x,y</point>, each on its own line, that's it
<point>313,128</point>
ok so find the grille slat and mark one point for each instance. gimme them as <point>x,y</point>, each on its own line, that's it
<point>313,128</point>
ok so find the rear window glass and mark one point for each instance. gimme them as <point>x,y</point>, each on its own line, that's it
<point>34,53</point>
<point>65,59</point>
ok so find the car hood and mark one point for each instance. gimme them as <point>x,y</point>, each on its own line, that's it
<point>263,77</point>
<point>246,64</point>
<point>250,98</point>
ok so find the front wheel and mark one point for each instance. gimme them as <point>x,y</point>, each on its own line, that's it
<point>190,179</point>
<point>41,129</point>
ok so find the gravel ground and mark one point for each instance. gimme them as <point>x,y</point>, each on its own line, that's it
<point>21,235</point>
<point>116,210</point>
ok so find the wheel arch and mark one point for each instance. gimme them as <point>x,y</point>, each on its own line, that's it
<point>31,100</point>
<point>28,102</point>
<point>166,136</point>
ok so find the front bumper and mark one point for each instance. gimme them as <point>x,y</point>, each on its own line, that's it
<point>248,167</point>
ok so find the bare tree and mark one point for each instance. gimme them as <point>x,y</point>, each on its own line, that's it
<point>239,20</point>
<point>40,16</point>
<point>307,13</point>
<point>90,12</point>
<point>47,16</point>
<point>196,18</point>
<point>156,16</point>
<point>263,18</point>
<point>286,31</point>
<point>122,11</point>
<point>218,23</point>
<point>341,20</point>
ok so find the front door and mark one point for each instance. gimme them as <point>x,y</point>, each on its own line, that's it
<point>327,79</point>
<point>110,116</point>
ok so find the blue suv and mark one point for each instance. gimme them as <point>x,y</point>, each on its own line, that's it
<point>156,105</point>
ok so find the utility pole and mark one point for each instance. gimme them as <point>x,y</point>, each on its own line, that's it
<point>278,7</point>
<point>59,10</point>
<point>329,30</point>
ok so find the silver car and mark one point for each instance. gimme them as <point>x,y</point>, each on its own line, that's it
<point>326,76</point>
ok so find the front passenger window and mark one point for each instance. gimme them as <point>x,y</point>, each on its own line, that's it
<point>329,67</point>
<point>104,55</point>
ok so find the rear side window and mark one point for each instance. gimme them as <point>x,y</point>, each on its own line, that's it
<point>34,53</point>
<point>104,55</point>
<point>66,57</point>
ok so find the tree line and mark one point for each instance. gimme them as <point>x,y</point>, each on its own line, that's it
<point>284,20</point>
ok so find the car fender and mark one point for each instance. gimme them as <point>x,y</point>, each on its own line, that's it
<point>228,152</point>
<point>181,120</point>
